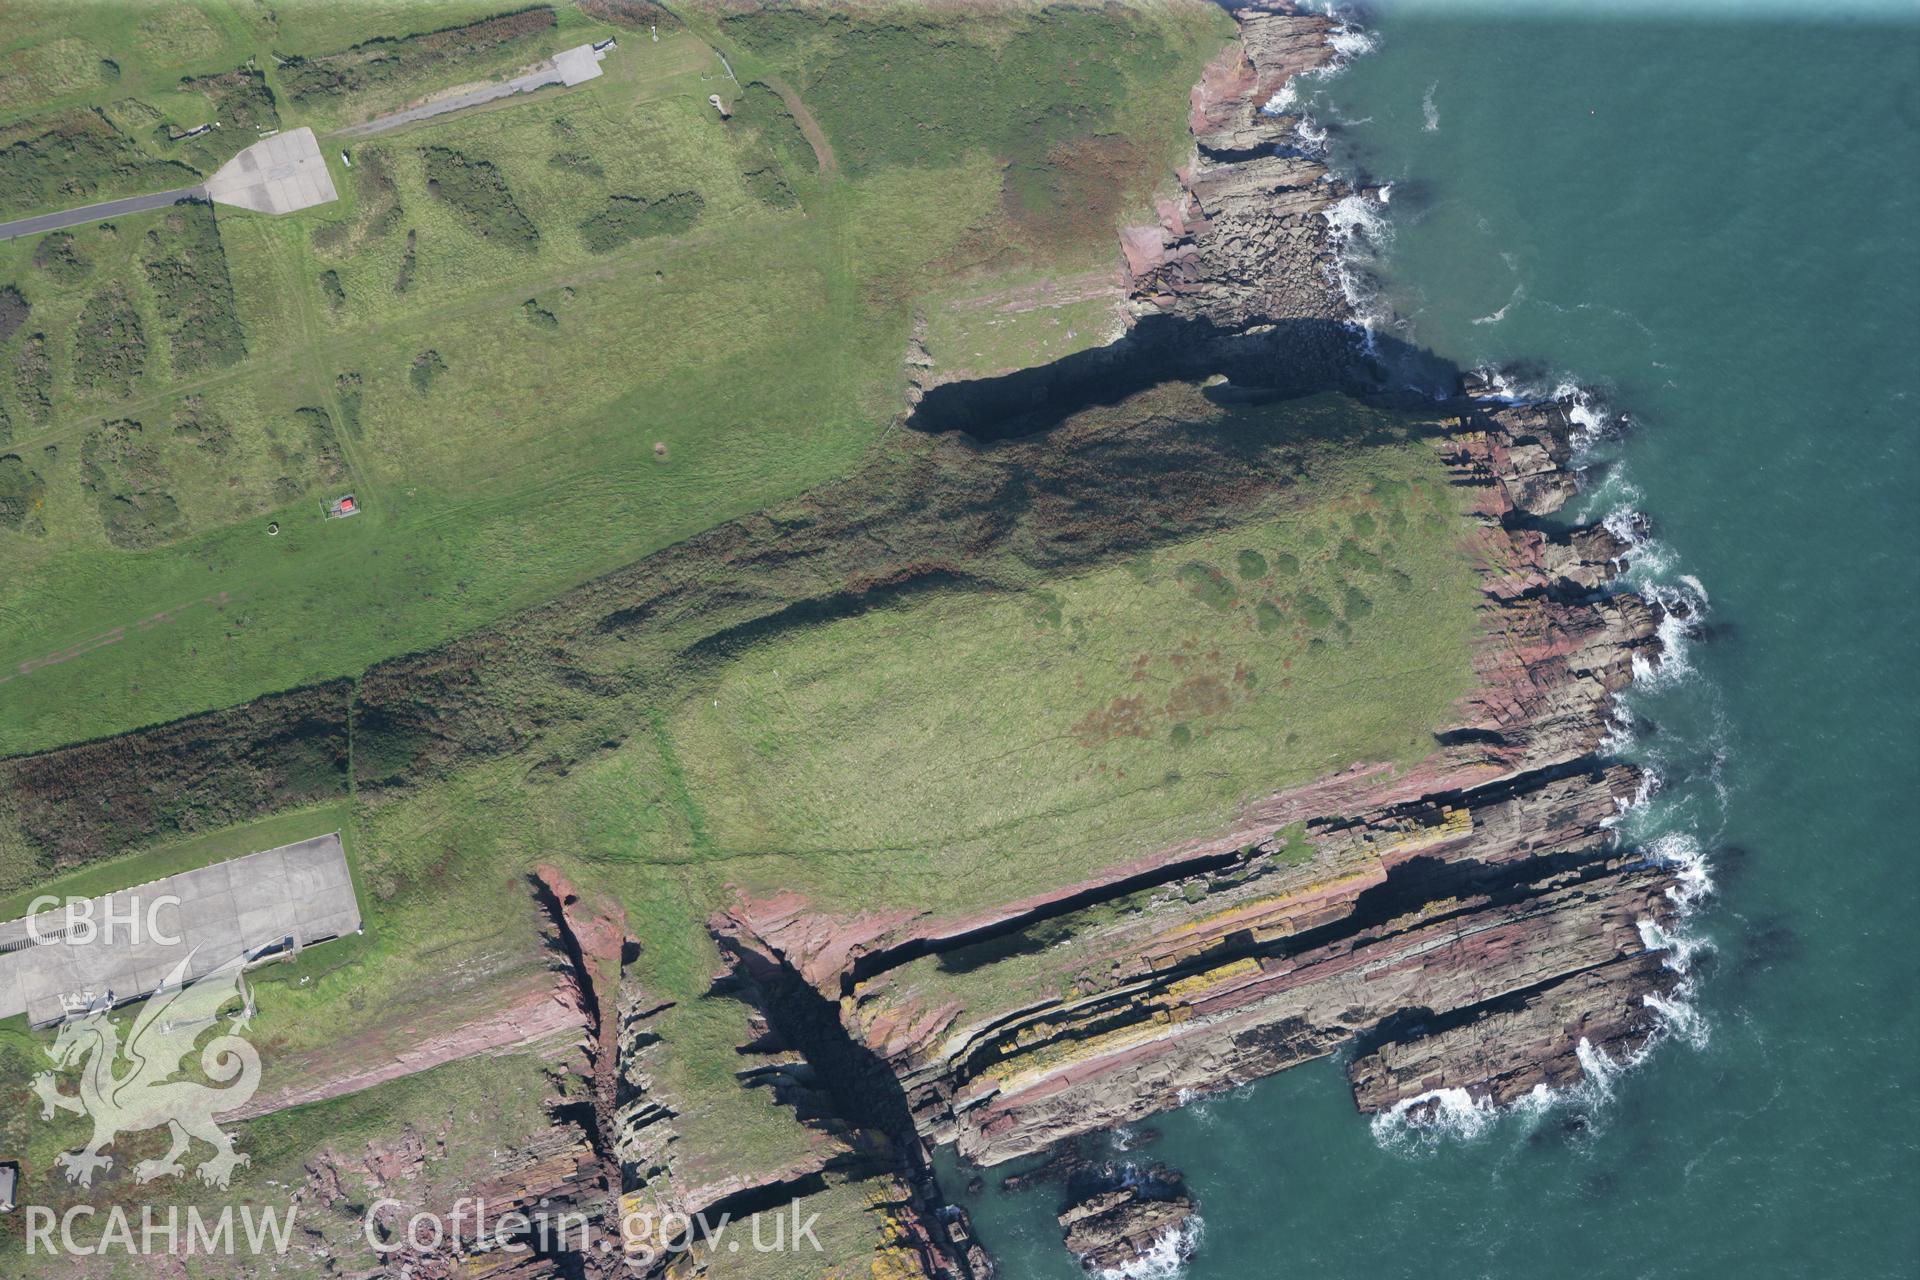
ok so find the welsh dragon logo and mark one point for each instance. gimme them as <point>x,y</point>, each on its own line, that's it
<point>132,1088</point>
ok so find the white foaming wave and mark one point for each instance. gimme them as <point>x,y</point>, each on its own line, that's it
<point>1599,1072</point>
<point>1456,1114</point>
<point>1519,294</point>
<point>1619,736</point>
<point>1500,385</point>
<point>1676,1011</point>
<point>1444,1116</point>
<point>1585,411</point>
<point>1349,39</point>
<point>1649,786</point>
<point>1357,218</point>
<point>1283,98</point>
<point>1680,1017</point>
<point>1358,231</point>
<point>1681,947</point>
<point>1652,571</point>
<point>1436,1116</point>
<point>1681,852</point>
<point>1167,1258</point>
<point>1680,611</point>
<point>1196,1103</point>
<point>1358,228</point>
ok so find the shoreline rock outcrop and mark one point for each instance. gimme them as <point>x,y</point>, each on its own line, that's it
<point>1119,1216</point>
<point>1470,924</point>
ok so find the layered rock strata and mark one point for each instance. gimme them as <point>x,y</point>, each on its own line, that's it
<point>1243,243</point>
<point>1119,1217</point>
<point>1469,925</point>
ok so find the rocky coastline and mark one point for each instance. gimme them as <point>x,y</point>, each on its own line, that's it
<point>1466,930</point>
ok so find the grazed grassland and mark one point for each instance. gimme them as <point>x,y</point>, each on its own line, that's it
<point>976,742</point>
<point>727,329</point>
<point>968,747</point>
<point>567,337</point>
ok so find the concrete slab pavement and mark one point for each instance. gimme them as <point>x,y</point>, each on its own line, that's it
<point>303,892</point>
<point>280,174</point>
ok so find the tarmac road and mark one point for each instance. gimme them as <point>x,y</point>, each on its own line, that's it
<point>97,212</point>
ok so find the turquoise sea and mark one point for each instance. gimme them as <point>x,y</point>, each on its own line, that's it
<point>1711,218</point>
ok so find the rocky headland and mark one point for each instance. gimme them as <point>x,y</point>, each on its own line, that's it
<point>1468,929</point>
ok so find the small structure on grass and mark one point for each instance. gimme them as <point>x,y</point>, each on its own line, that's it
<point>343,506</point>
<point>9,1182</point>
<point>719,106</point>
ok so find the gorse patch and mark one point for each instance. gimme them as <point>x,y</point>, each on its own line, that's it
<point>242,106</point>
<point>910,91</point>
<point>109,347</point>
<point>632,218</point>
<point>122,467</point>
<point>59,256</point>
<point>21,490</point>
<point>191,289</point>
<point>760,115</point>
<point>769,188</point>
<point>427,367</point>
<point>74,156</point>
<point>378,211</point>
<point>384,61</point>
<point>576,162</point>
<point>14,309</point>
<point>346,389</point>
<point>478,193</point>
<point>1209,584</point>
<point>638,14</point>
<point>33,378</point>
<point>403,279</point>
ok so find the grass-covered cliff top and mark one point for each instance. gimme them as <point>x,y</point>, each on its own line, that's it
<point>650,581</point>
<point>538,340</point>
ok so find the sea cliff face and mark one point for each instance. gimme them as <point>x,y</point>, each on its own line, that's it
<point>1470,927</point>
<point>1467,924</point>
<point>1465,927</point>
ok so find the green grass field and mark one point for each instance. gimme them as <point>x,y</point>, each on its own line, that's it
<point>543,341</point>
<point>971,748</point>
<point>683,379</point>
<point>967,746</point>
<point>952,750</point>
